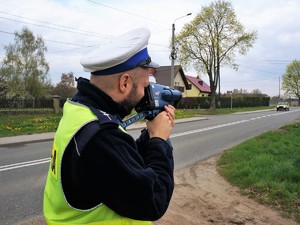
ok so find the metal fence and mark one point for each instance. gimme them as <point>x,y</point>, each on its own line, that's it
<point>26,105</point>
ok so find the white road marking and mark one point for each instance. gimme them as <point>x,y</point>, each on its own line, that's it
<point>24,164</point>
<point>224,125</point>
<point>46,160</point>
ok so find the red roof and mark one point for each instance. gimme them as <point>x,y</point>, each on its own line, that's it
<point>200,84</point>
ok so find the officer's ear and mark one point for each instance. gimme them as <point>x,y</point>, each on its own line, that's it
<point>125,83</point>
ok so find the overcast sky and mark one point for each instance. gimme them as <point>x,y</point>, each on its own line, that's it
<point>71,28</point>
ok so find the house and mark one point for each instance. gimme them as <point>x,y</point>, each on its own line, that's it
<point>198,87</point>
<point>188,85</point>
<point>163,76</point>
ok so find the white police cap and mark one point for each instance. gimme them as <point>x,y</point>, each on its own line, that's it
<point>123,53</point>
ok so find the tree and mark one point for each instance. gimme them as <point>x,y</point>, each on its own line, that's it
<point>211,41</point>
<point>291,79</point>
<point>239,91</point>
<point>3,87</point>
<point>24,68</point>
<point>256,92</point>
<point>65,88</point>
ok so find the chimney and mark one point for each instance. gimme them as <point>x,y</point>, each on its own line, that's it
<point>200,81</point>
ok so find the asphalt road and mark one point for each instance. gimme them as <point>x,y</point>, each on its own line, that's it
<point>23,168</point>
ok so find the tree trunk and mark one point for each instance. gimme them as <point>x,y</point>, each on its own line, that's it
<point>213,87</point>
<point>213,100</point>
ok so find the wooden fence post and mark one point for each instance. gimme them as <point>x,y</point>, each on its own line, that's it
<point>56,104</point>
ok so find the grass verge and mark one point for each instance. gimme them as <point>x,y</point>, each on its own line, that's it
<point>22,124</point>
<point>267,169</point>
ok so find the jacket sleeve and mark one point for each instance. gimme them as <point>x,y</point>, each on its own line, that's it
<point>135,179</point>
<point>141,143</point>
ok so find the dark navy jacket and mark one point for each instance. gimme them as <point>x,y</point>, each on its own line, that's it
<point>132,177</point>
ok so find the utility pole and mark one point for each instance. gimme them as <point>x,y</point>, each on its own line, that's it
<point>173,54</point>
<point>279,89</point>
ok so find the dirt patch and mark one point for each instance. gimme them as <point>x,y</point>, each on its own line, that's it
<point>203,197</point>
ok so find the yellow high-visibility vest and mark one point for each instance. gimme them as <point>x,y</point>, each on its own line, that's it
<point>57,211</point>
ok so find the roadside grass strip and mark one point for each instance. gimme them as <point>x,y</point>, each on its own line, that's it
<point>267,169</point>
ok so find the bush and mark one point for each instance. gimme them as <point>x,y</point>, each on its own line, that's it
<point>225,102</point>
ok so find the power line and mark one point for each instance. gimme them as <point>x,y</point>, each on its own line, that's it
<point>276,61</point>
<point>67,43</point>
<point>79,45</point>
<point>72,30</point>
<point>60,42</point>
<point>123,11</point>
<point>54,28</point>
<point>247,81</point>
<point>6,32</point>
<point>259,70</point>
<point>45,22</point>
<point>72,49</point>
<point>268,66</point>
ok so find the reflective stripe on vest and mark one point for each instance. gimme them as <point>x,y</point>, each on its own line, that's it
<point>56,209</point>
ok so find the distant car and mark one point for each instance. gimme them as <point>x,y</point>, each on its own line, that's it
<point>283,106</point>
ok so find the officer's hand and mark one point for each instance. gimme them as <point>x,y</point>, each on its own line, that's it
<point>162,125</point>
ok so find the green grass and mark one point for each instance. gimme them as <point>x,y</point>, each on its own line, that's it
<point>267,168</point>
<point>198,112</point>
<point>21,124</point>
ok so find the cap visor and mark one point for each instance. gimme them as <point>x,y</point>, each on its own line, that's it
<point>151,65</point>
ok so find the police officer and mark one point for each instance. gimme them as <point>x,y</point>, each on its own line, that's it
<point>98,173</point>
